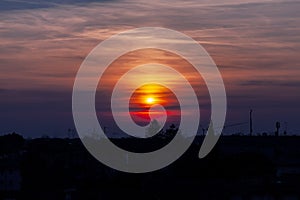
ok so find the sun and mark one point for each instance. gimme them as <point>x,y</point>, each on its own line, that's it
<point>150,100</point>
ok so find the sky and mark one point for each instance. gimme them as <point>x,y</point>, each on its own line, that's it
<point>255,44</point>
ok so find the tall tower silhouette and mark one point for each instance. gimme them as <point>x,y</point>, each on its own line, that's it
<point>277,128</point>
<point>251,125</point>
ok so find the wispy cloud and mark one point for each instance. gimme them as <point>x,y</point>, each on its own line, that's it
<point>255,43</point>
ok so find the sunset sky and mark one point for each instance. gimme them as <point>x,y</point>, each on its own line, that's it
<point>255,44</point>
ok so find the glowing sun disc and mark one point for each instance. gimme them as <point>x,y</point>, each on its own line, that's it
<point>150,100</point>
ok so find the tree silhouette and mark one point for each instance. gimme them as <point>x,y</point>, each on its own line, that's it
<point>171,131</point>
<point>153,128</point>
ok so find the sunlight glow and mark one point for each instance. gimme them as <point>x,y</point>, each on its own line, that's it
<point>150,100</point>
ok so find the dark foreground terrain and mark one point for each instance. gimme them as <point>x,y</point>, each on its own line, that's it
<point>239,167</point>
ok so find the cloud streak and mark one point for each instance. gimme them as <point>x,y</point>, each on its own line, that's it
<point>254,43</point>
